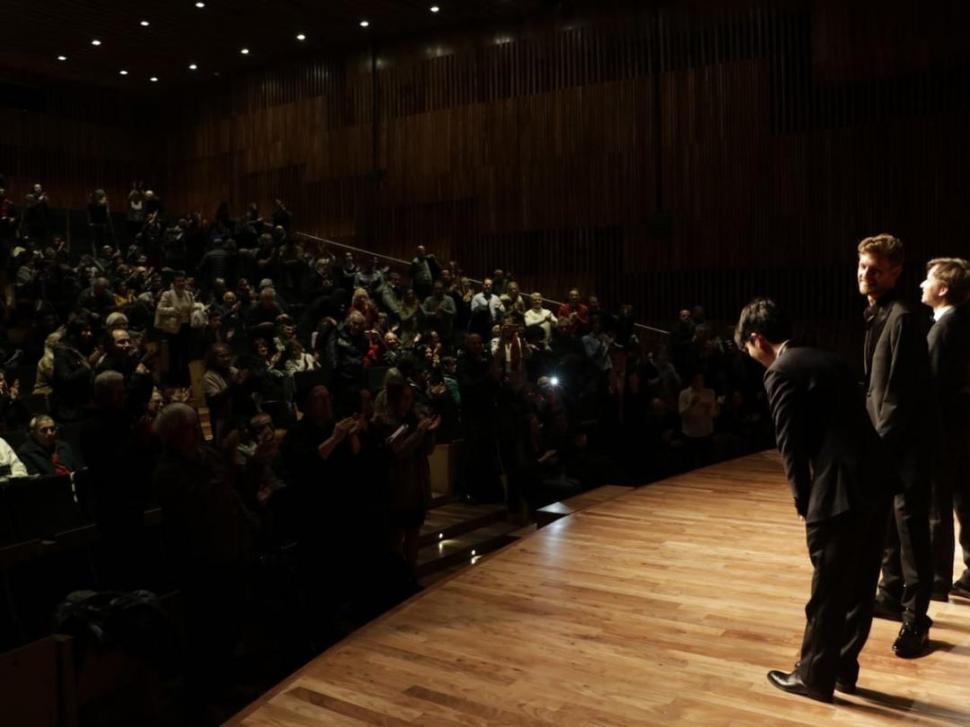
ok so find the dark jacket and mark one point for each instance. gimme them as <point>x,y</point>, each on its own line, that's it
<point>37,460</point>
<point>898,386</point>
<point>834,461</point>
<point>72,383</point>
<point>949,352</point>
<point>205,517</point>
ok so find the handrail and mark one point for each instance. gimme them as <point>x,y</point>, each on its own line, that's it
<point>399,261</point>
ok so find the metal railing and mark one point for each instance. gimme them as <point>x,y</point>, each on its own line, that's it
<point>399,261</point>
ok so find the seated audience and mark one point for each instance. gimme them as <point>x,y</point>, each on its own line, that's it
<point>43,453</point>
<point>10,464</point>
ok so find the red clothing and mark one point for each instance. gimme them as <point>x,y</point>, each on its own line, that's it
<point>578,325</point>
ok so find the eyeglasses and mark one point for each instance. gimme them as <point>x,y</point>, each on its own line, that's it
<point>47,430</point>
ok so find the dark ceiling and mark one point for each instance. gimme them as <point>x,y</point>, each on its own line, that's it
<point>33,33</point>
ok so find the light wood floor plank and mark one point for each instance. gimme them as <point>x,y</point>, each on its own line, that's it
<point>664,605</point>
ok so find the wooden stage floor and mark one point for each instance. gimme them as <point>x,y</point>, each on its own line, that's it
<point>666,605</point>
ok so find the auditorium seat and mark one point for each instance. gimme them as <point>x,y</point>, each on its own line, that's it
<point>37,684</point>
<point>41,507</point>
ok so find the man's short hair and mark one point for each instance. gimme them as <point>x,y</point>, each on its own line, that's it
<point>886,246</point>
<point>954,273</point>
<point>116,319</point>
<point>105,382</point>
<point>172,420</point>
<point>38,421</point>
<point>764,317</point>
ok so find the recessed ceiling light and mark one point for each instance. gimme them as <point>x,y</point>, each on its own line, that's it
<point>95,42</point>
<point>193,67</point>
<point>200,5</point>
<point>435,8</point>
<point>62,58</point>
<point>300,36</point>
<point>153,79</point>
<point>364,23</point>
<point>144,23</point>
<point>122,72</point>
<point>245,51</point>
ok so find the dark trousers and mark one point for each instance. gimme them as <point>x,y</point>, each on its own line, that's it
<point>179,351</point>
<point>700,451</point>
<point>846,552</point>
<point>907,563</point>
<point>951,490</point>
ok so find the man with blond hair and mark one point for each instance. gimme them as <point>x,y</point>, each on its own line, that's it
<point>946,290</point>
<point>897,383</point>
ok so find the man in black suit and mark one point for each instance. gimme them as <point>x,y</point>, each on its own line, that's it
<point>902,411</point>
<point>841,484</point>
<point>946,290</point>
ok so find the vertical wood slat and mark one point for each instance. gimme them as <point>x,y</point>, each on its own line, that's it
<point>784,136</point>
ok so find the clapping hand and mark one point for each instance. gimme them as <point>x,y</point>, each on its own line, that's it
<point>346,427</point>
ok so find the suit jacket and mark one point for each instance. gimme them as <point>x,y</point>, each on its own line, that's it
<point>834,460</point>
<point>949,352</point>
<point>898,391</point>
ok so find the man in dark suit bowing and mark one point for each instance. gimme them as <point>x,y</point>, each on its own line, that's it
<point>841,484</point>
<point>946,290</point>
<point>901,406</point>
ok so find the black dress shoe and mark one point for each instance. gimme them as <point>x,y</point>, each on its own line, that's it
<point>846,687</point>
<point>887,609</point>
<point>793,684</point>
<point>960,589</point>
<point>913,641</point>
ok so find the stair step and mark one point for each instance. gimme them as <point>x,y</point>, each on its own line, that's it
<point>552,512</point>
<point>456,518</point>
<point>440,499</point>
<point>462,548</point>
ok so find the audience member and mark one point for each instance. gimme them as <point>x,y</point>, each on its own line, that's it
<point>10,464</point>
<point>43,453</point>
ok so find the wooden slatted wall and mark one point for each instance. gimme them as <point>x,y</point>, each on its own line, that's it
<point>662,155</point>
<point>73,140</point>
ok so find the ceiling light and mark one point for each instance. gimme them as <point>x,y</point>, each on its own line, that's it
<point>95,42</point>
<point>245,51</point>
<point>435,8</point>
<point>153,79</point>
<point>364,23</point>
<point>122,72</point>
<point>62,58</point>
<point>193,67</point>
<point>200,5</point>
<point>144,23</point>
<point>300,36</point>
